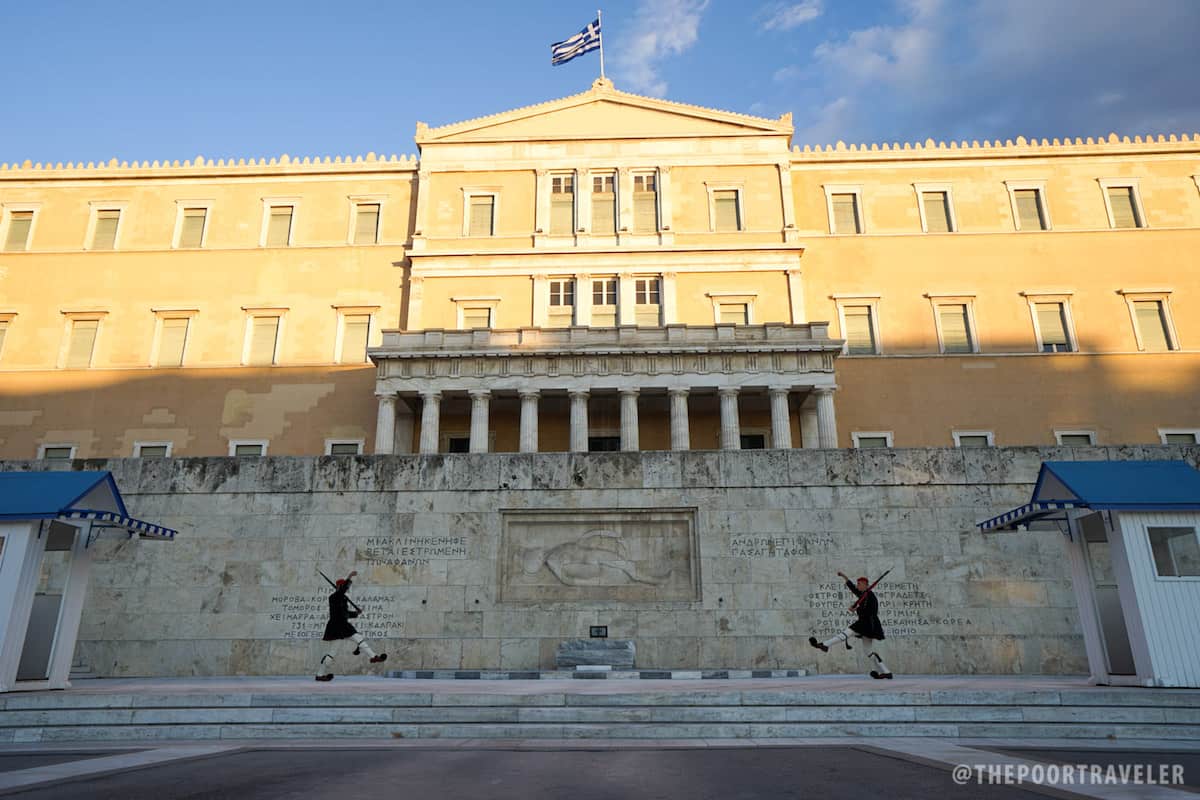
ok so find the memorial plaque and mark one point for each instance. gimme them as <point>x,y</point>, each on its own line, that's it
<point>623,556</point>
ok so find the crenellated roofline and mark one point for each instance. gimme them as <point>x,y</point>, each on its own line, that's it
<point>283,165</point>
<point>929,149</point>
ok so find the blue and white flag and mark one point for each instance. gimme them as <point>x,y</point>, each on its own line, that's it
<point>585,41</point>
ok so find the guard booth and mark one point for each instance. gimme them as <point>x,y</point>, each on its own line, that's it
<point>48,522</point>
<point>1129,529</point>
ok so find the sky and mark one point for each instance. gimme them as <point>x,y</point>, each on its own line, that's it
<point>156,79</point>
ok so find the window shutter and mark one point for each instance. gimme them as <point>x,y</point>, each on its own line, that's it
<point>1075,439</point>
<point>1029,210</point>
<point>1120,199</point>
<point>51,453</point>
<point>263,335</point>
<point>343,449</point>
<point>845,213</point>
<point>725,209</point>
<point>1152,325</point>
<point>645,212</point>
<point>973,440</point>
<point>354,337</point>
<point>248,450</point>
<point>648,317</point>
<point>937,212</point>
<point>83,341</point>
<point>604,218</point>
<point>483,208</point>
<point>192,234</point>
<point>104,237</point>
<point>279,227</point>
<point>3,332</point>
<point>956,336</point>
<point>171,342</point>
<point>562,214</point>
<point>477,318</point>
<point>19,225</point>
<point>1179,438</point>
<point>735,313</point>
<point>366,223</point>
<point>871,442</point>
<point>860,334</point>
<point>152,451</point>
<point>1052,324</point>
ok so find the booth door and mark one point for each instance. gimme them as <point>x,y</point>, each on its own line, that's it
<point>47,604</point>
<point>1098,556</point>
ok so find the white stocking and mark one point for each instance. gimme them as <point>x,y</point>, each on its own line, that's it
<point>838,637</point>
<point>360,642</point>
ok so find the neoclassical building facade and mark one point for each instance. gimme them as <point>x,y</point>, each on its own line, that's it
<point>600,272</point>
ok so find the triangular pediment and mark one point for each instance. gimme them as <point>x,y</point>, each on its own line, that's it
<point>604,113</point>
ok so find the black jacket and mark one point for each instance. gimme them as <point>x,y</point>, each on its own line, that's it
<point>868,614</point>
<point>339,626</point>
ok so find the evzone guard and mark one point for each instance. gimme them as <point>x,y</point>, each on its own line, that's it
<point>865,629</point>
<point>339,633</point>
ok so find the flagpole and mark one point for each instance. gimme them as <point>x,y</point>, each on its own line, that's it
<point>601,27</point>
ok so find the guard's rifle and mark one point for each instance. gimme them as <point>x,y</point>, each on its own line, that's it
<point>348,600</point>
<point>863,596</point>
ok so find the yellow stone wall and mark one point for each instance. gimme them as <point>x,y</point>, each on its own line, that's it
<point>1022,395</point>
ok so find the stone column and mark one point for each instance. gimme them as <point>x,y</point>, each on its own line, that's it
<point>681,437</point>
<point>626,300</point>
<point>781,421</point>
<point>809,430</point>
<point>629,419</point>
<point>583,299</point>
<point>579,421</point>
<point>529,420</point>
<point>480,400</point>
<point>431,417</point>
<point>731,435</point>
<point>385,424</point>
<point>826,420</point>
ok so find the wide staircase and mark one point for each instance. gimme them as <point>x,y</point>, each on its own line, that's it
<point>130,710</point>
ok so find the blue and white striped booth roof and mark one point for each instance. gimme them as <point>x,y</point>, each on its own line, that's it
<point>80,495</point>
<point>1103,485</point>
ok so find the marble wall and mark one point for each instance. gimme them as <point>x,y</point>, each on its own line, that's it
<point>705,559</point>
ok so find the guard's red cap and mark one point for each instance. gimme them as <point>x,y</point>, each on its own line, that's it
<point>340,582</point>
<point>866,580</point>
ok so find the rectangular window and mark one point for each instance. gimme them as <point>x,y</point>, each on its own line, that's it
<point>3,332</point>
<point>476,318</point>
<point>58,452</point>
<point>366,223</point>
<point>870,441</point>
<point>1124,209</point>
<point>1152,325</point>
<point>482,211</point>
<point>753,441</point>
<point>82,343</point>
<point>1180,437</point>
<point>562,204</point>
<point>104,235</point>
<point>1030,210</point>
<point>1052,325</point>
<point>956,329</point>
<point>937,212</point>
<point>736,313</point>
<point>646,291</point>
<point>604,204</point>
<point>972,440</point>
<point>604,444</point>
<point>247,449</point>
<point>846,217</point>
<point>279,226</point>
<point>20,223</point>
<point>604,292</point>
<point>191,234</point>
<point>458,444</point>
<point>562,293</point>
<point>648,301</point>
<point>152,451</point>
<point>355,329</point>
<point>344,448</point>
<point>1076,438</point>
<point>172,341</point>
<point>726,214</point>
<point>645,203</point>
<point>1176,551</point>
<point>860,330</point>
<point>264,339</point>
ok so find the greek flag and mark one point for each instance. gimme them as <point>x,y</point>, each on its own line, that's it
<point>585,41</point>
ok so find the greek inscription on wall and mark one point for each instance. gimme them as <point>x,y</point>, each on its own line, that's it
<point>303,616</point>
<point>789,546</point>
<point>411,551</point>
<point>905,609</point>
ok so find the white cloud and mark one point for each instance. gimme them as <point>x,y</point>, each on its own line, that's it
<point>663,28</point>
<point>787,74</point>
<point>785,16</point>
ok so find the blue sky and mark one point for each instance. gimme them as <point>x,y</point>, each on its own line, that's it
<point>135,79</point>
